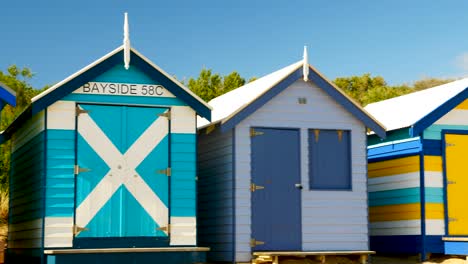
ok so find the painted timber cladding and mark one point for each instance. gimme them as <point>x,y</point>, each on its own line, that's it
<point>395,188</point>
<point>61,159</point>
<point>331,220</point>
<point>215,194</point>
<point>26,188</point>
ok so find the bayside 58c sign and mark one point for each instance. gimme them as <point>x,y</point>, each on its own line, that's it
<point>152,90</point>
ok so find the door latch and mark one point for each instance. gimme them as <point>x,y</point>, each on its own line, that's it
<point>254,242</point>
<point>254,187</point>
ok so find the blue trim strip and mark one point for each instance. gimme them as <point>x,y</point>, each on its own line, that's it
<point>262,100</point>
<point>444,178</point>
<point>346,103</point>
<point>440,111</point>
<point>7,95</point>
<point>391,150</point>
<point>423,203</point>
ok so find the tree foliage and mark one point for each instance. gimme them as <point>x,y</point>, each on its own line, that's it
<point>18,80</point>
<point>209,85</point>
<point>366,89</point>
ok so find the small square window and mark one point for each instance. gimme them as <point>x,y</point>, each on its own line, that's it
<point>329,159</point>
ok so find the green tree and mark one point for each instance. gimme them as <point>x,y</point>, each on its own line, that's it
<point>366,89</point>
<point>209,85</point>
<point>231,82</point>
<point>17,79</point>
<point>206,85</point>
<point>429,83</point>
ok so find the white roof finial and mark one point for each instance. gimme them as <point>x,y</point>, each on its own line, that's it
<point>305,66</point>
<point>126,43</point>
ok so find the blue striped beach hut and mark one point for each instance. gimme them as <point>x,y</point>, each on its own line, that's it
<point>417,175</point>
<point>282,167</point>
<point>103,168</point>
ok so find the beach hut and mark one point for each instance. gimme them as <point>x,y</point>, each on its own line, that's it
<point>417,175</point>
<point>103,168</point>
<point>282,167</point>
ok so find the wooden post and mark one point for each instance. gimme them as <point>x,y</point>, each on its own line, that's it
<point>363,259</point>
<point>275,260</point>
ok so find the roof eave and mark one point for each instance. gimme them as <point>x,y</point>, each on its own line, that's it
<point>419,126</point>
<point>347,102</point>
<point>248,108</point>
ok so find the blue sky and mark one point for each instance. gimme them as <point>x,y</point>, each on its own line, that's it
<point>400,40</point>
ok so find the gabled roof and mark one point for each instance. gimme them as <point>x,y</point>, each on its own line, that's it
<point>419,110</point>
<point>231,108</point>
<point>103,64</point>
<point>93,70</point>
<point>7,94</point>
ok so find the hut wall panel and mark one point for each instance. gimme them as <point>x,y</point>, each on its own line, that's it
<point>183,158</point>
<point>215,194</point>
<point>320,112</point>
<point>26,185</point>
<point>60,177</point>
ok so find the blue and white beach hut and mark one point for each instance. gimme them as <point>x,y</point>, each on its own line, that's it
<point>282,167</point>
<point>103,168</point>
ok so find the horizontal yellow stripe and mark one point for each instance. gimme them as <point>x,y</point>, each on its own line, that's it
<point>463,105</point>
<point>393,167</point>
<point>432,163</point>
<point>405,212</point>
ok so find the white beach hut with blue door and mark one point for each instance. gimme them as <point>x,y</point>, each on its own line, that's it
<point>103,168</point>
<point>283,167</point>
<point>417,175</point>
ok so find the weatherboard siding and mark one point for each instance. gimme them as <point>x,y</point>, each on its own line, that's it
<point>60,177</point>
<point>331,220</point>
<point>26,185</point>
<point>215,194</point>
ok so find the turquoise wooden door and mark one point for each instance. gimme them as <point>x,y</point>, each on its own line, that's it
<point>121,173</point>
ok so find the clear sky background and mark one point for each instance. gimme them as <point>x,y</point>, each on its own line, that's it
<point>400,40</point>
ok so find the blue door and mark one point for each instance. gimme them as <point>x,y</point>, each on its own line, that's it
<point>121,173</point>
<point>276,189</point>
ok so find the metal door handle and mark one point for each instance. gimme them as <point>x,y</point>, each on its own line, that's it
<point>298,185</point>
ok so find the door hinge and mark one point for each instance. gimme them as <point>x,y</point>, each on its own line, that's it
<point>451,219</point>
<point>254,187</point>
<point>449,145</point>
<point>79,111</point>
<point>451,182</point>
<point>165,171</point>
<point>78,169</point>
<point>166,114</point>
<point>254,133</point>
<point>254,242</point>
<point>78,229</point>
<point>166,229</point>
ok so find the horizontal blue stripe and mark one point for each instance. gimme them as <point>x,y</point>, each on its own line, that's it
<point>183,138</point>
<point>121,99</point>
<point>456,247</point>
<point>60,183</point>
<point>394,149</point>
<point>405,196</point>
